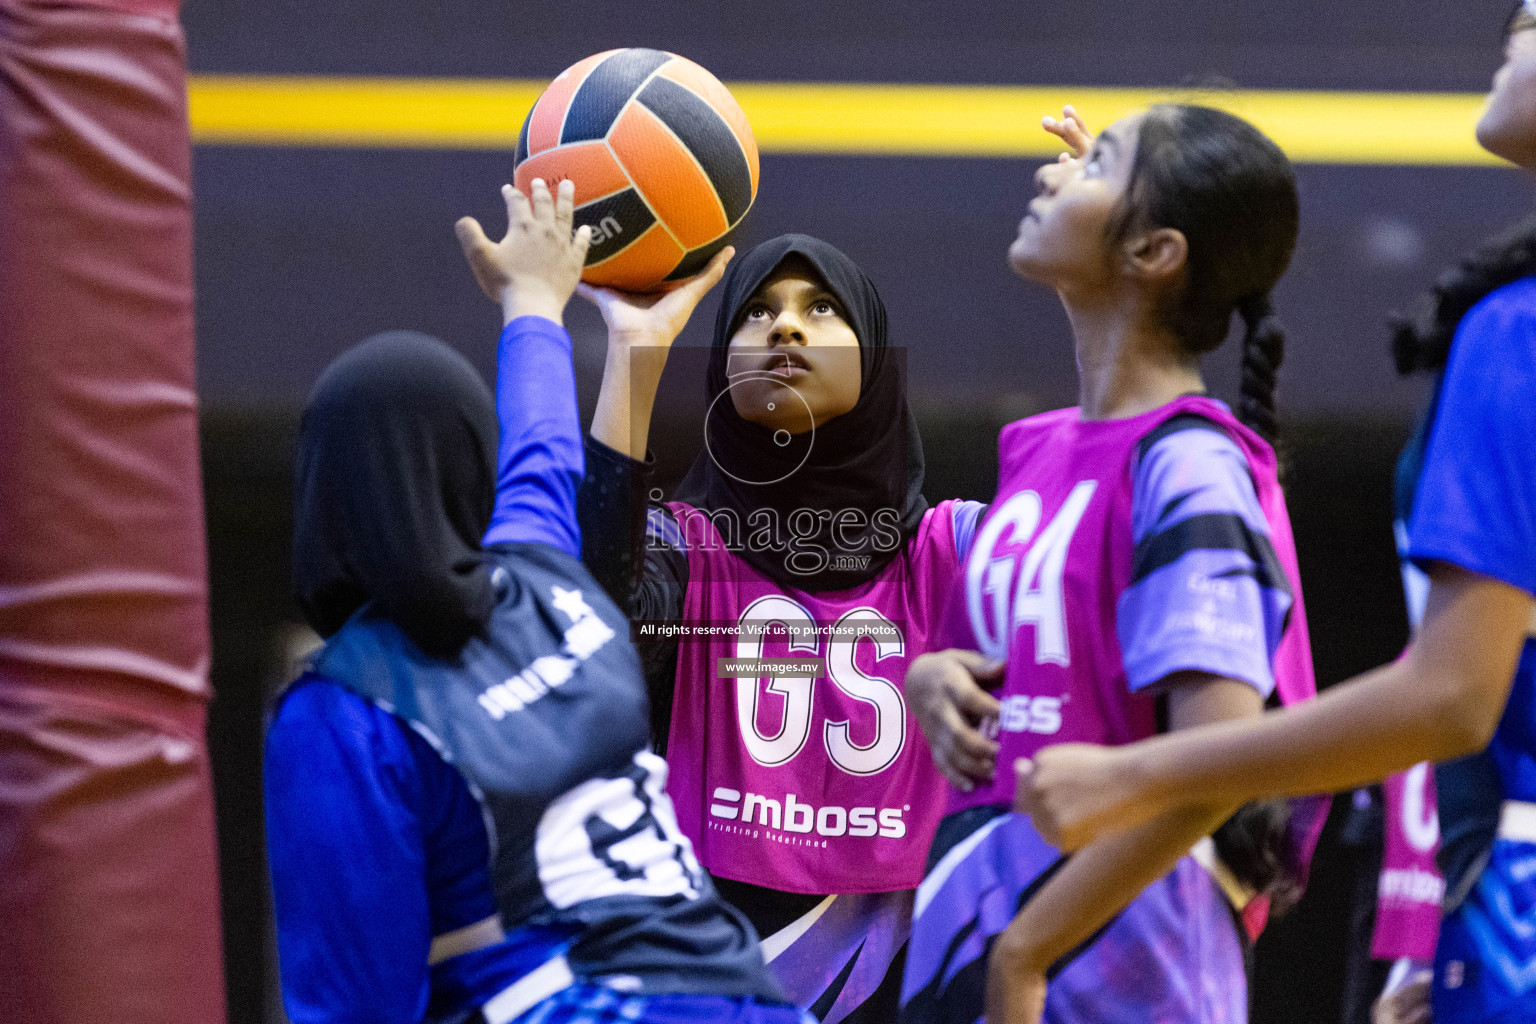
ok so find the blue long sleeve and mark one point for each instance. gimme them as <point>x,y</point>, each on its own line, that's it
<point>540,456</point>
<point>375,845</point>
<point>1476,501</point>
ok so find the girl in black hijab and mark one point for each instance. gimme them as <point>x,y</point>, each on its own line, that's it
<point>394,490</point>
<point>869,458</point>
<point>811,798</point>
<point>464,820</point>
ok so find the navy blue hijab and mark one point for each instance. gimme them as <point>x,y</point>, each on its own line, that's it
<point>394,486</point>
<point>869,458</point>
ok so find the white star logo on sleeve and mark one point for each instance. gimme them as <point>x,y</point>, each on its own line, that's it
<point>572,603</point>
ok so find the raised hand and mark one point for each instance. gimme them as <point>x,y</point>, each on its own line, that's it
<point>641,329</point>
<point>1407,1005</point>
<point>1072,130</point>
<point>1076,792</point>
<point>533,270</point>
<point>945,692</point>
<point>654,319</point>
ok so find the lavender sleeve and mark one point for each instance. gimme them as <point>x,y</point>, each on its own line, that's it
<point>539,462</point>
<point>1207,591</point>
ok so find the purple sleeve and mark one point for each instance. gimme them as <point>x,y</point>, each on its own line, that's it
<point>1207,590</point>
<point>965,517</point>
<point>539,461</point>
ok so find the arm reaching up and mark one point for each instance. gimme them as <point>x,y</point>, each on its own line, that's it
<point>532,272</point>
<point>641,329</point>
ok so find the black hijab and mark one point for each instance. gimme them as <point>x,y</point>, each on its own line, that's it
<point>395,479</point>
<point>869,459</point>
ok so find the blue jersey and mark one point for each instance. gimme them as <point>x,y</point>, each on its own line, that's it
<point>504,800</point>
<point>1467,496</point>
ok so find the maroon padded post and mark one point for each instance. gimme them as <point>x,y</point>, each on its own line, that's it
<point>108,871</point>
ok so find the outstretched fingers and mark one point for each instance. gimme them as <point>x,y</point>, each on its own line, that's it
<point>1072,130</point>
<point>481,254</point>
<point>556,211</point>
<point>532,270</point>
<point>470,234</point>
<point>565,204</point>
<point>519,212</point>
<point>697,286</point>
<point>543,202</point>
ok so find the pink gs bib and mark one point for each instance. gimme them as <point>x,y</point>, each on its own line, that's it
<point>816,782</point>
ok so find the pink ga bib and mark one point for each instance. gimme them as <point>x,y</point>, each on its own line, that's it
<point>1051,557</point>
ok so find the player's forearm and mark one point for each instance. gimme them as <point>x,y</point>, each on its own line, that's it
<point>540,452</point>
<point>611,507</point>
<point>1098,882</point>
<point>1442,700</point>
<point>631,376</point>
<point>1359,732</point>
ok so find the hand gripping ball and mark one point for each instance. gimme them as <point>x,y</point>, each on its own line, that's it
<point>663,160</point>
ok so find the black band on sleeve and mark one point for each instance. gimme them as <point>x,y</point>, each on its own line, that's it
<point>610,508</point>
<point>1174,424</point>
<point>1211,530</point>
<point>647,580</point>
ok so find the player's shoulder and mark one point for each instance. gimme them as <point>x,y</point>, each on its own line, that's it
<point>317,714</point>
<point>1191,440</point>
<point>1504,318</point>
<point>950,524</point>
<point>314,697</point>
<point>1191,465</point>
<point>951,509</point>
<point>962,516</point>
<point>1492,364</point>
<point>1052,419</point>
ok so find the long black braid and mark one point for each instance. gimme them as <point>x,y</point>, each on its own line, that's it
<point>1232,193</point>
<point>1263,352</point>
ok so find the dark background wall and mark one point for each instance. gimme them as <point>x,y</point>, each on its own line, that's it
<point>1307,44</point>
<point>302,252</point>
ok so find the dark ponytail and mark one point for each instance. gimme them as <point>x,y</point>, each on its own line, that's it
<point>1256,843</point>
<point>1263,352</point>
<point>1421,337</point>
<point>1258,847</point>
<point>1231,192</point>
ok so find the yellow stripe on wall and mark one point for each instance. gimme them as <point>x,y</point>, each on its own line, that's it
<point>831,118</point>
<point>432,113</point>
